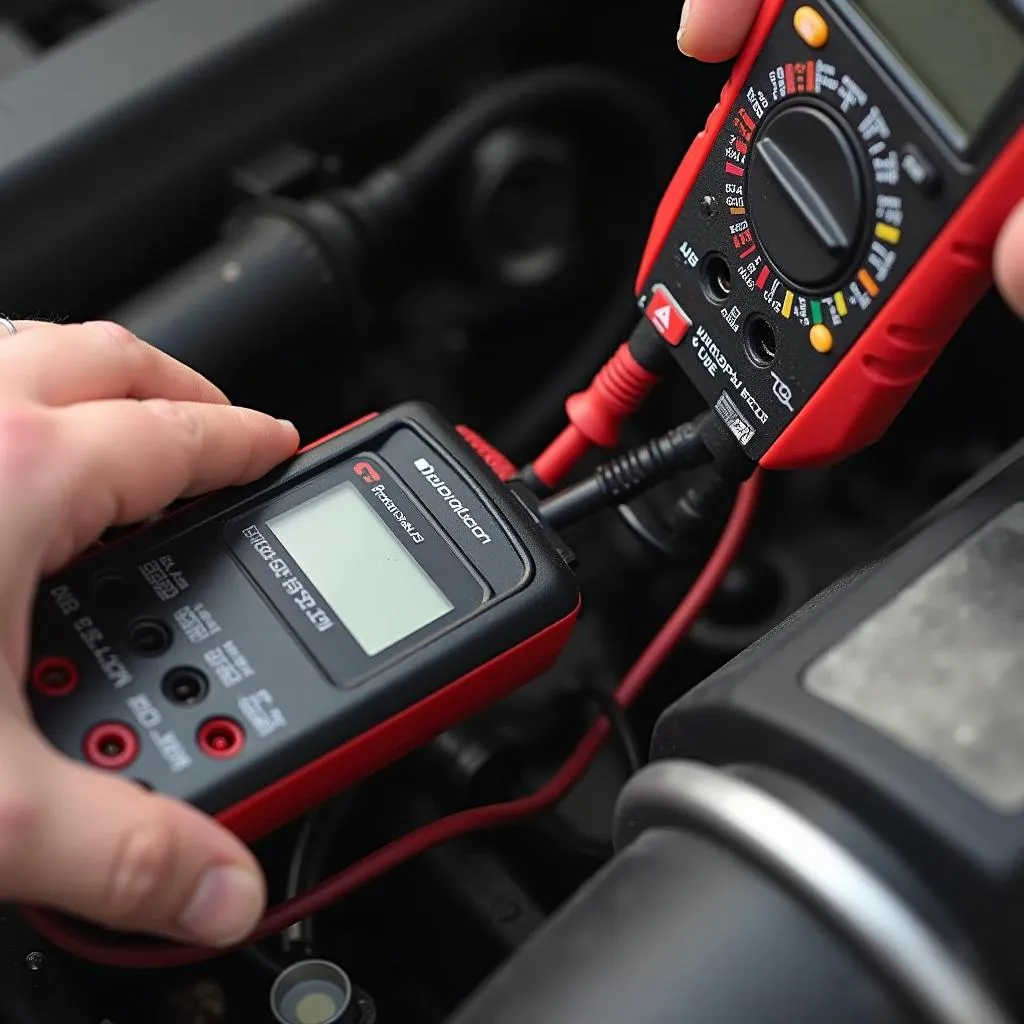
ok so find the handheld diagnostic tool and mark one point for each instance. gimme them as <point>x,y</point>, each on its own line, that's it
<point>834,224</point>
<point>263,647</point>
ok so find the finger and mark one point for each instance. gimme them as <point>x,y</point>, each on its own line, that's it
<point>59,365</point>
<point>82,841</point>
<point>1009,261</point>
<point>714,30</point>
<point>69,474</point>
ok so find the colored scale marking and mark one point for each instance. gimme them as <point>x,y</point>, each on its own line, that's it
<point>840,300</point>
<point>816,311</point>
<point>763,277</point>
<point>787,305</point>
<point>735,169</point>
<point>887,233</point>
<point>799,78</point>
<point>868,282</point>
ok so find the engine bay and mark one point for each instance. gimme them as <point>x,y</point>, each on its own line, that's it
<point>178,166</point>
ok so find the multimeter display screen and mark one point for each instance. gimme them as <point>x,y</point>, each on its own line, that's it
<point>375,587</point>
<point>965,53</point>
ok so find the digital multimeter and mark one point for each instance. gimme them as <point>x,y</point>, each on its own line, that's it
<point>261,648</point>
<point>834,223</point>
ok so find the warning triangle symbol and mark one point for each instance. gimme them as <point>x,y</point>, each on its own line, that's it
<point>663,317</point>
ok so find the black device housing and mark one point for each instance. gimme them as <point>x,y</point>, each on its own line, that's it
<point>896,694</point>
<point>297,693</point>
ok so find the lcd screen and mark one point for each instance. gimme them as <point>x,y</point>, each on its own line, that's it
<point>378,591</point>
<point>965,54</point>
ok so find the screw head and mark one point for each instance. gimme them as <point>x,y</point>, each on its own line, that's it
<point>34,961</point>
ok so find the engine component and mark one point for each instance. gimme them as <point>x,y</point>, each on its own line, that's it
<point>860,764</point>
<point>179,91</point>
<point>318,992</point>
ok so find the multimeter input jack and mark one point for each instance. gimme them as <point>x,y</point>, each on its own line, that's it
<point>150,637</point>
<point>185,686</point>
<point>716,278</point>
<point>55,677</point>
<point>111,745</point>
<point>759,341</point>
<point>220,738</point>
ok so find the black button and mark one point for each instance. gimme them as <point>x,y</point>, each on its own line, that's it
<point>919,169</point>
<point>111,590</point>
<point>150,637</point>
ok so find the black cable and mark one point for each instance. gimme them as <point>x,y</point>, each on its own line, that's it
<point>629,474</point>
<point>258,957</point>
<point>308,864</point>
<point>620,724</point>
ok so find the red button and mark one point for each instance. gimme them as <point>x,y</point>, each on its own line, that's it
<point>667,315</point>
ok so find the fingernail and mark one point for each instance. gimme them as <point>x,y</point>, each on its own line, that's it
<point>287,423</point>
<point>683,18</point>
<point>224,909</point>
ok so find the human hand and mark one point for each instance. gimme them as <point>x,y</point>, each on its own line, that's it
<point>714,30</point>
<point>99,429</point>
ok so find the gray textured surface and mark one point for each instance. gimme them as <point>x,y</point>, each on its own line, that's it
<point>940,670</point>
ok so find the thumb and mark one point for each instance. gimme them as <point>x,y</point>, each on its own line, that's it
<point>106,850</point>
<point>1009,261</point>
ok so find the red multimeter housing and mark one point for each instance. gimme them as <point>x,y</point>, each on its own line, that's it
<point>834,223</point>
<point>264,647</point>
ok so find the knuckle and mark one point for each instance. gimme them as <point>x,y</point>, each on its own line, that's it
<point>26,435</point>
<point>177,414</point>
<point>140,869</point>
<point>113,334</point>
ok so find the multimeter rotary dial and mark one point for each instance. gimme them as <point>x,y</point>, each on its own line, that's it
<point>810,183</point>
<point>807,195</point>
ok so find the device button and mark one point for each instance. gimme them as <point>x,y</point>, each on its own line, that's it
<point>55,677</point>
<point>811,27</point>
<point>821,339</point>
<point>666,315</point>
<point>807,196</point>
<point>111,590</point>
<point>917,167</point>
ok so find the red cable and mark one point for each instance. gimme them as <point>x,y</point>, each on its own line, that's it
<point>558,459</point>
<point>476,819</point>
<point>596,414</point>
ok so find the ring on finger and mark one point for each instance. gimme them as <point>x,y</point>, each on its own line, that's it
<point>8,325</point>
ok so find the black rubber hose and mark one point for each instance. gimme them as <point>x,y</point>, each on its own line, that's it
<point>386,196</point>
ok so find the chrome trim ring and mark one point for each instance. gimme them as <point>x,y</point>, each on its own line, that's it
<point>674,793</point>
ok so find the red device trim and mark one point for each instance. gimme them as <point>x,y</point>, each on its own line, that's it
<point>700,149</point>
<point>367,753</point>
<point>337,433</point>
<point>866,391</point>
